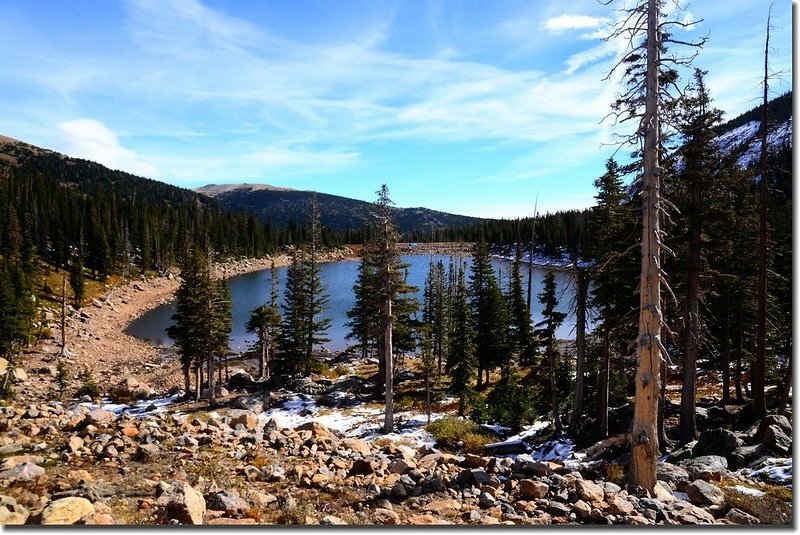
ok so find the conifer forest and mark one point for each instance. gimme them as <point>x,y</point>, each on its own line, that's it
<point>457,398</point>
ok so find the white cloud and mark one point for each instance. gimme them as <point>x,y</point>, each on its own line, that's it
<point>574,22</point>
<point>92,140</point>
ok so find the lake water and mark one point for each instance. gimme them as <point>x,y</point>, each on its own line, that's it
<point>251,290</point>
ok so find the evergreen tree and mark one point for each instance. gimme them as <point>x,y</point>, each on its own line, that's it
<point>489,313</point>
<point>461,358</point>
<point>363,316</point>
<point>265,321</point>
<point>546,333</point>
<point>520,332</point>
<point>77,279</point>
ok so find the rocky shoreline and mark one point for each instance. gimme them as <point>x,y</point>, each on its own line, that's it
<point>68,463</point>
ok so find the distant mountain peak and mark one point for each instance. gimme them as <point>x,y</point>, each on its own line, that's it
<point>213,190</point>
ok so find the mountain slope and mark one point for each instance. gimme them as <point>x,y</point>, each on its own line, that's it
<point>282,205</point>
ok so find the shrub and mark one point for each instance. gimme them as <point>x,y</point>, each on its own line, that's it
<point>511,404</point>
<point>773,508</point>
<point>456,433</point>
<point>62,376</point>
<point>90,387</point>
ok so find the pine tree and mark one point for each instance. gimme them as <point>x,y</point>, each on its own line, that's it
<point>489,313</point>
<point>520,332</point>
<point>462,361</point>
<point>546,333</point>
<point>265,321</point>
<point>700,159</point>
<point>77,279</point>
<point>363,316</point>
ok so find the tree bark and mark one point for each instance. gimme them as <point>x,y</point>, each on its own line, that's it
<point>582,287</point>
<point>758,378</point>
<point>691,320</point>
<point>603,390</point>
<point>388,422</point>
<point>644,439</point>
<point>726,348</point>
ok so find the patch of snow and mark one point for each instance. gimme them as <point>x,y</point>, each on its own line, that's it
<point>775,470</point>
<point>138,408</point>
<point>747,490</point>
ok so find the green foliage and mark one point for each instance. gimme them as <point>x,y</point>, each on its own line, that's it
<point>77,279</point>
<point>89,386</point>
<point>510,403</point>
<point>461,359</point>
<point>63,376</point>
<point>457,434</point>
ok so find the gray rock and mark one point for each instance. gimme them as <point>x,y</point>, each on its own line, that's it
<point>671,473</point>
<point>558,509</point>
<point>744,455</point>
<point>230,502</point>
<point>716,442</point>
<point>99,417</point>
<point>486,500</point>
<point>703,493</point>
<point>775,438</point>
<point>707,467</point>
<point>385,516</point>
<point>737,516</point>
<point>181,502</point>
<point>24,471</point>
<point>330,520</point>
<point>473,477</point>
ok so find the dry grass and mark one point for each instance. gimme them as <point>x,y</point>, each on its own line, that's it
<point>457,434</point>
<point>773,508</point>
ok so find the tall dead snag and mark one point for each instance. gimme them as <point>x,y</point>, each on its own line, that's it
<point>649,75</point>
<point>759,365</point>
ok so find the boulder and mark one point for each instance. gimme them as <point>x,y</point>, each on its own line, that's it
<point>618,505</point>
<point>703,493</point>
<point>146,452</point>
<point>532,490</point>
<point>67,511</point>
<point>775,438</point>
<point>759,429</point>
<point>331,520</point>
<point>130,389</point>
<point>241,380</point>
<point>25,471</point>
<point>179,501</point>
<point>99,418</point>
<point>739,517</point>
<point>442,507</point>
<point>707,467</point>
<point>589,491</point>
<point>426,520</point>
<point>246,418</point>
<point>716,442</point>
<point>12,513</point>
<point>381,515</point>
<point>230,502</point>
<point>357,445</point>
<point>744,455</point>
<point>249,403</point>
<point>672,474</point>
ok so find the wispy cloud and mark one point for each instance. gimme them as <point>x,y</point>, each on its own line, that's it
<point>565,23</point>
<point>92,140</point>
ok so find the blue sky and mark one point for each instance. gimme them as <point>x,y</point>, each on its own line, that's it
<point>471,107</point>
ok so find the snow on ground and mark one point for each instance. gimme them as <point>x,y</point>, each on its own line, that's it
<point>775,470</point>
<point>141,407</point>
<point>357,422</point>
<point>747,490</point>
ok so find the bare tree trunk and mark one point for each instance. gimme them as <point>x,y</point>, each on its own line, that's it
<point>783,402</point>
<point>603,390</point>
<point>63,315</point>
<point>551,359</point>
<point>198,379</point>
<point>739,350</point>
<point>726,348</point>
<point>688,423</point>
<point>644,437</point>
<point>388,422</point>
<point>212,395</point>
<point>582,287</point>
<point>758,378</point>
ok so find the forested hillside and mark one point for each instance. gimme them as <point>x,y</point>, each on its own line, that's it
<point>284,207</point>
